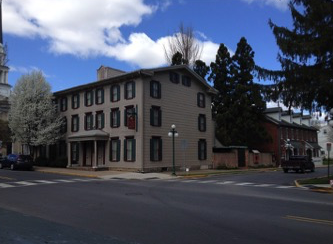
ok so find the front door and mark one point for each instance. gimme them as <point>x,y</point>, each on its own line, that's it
<point>241,157</point>
<point>100,153</point>
<point>88,153</point>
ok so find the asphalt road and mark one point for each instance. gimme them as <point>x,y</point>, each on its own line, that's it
<point>248,208</point>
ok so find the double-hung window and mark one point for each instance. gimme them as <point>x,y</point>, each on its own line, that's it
<point>99,120</point>
<point>75,123</point>
<point>201,100</point>
<point>156,148</point>
<point>174,77</point>
<point>115,117</point>
<point>115,93</point>
<point>99,96</point>
<point>63,128</point>
<point>130,90</point>
<point>202,122</point>
<point>75,101</point>
<point>155,89</point>
<point>75,152</point>
<point>88,98</point>
<point>129,149</point>
<point>129,111</point>
<point>202,149</point>
<point>186,81</point>
<point>89,121</point>
<point>115,149</point>
<point>155,116</point>
<point>63,104</point>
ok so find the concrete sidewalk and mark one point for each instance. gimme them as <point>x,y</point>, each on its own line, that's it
<point>105,174</point>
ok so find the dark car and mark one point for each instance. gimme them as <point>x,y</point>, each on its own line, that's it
<point>17,161</point>
<point>298,163</point>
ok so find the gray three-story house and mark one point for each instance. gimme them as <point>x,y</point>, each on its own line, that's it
<point>122,120</point>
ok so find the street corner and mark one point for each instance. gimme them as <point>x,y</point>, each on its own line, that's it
<point>65,172</point>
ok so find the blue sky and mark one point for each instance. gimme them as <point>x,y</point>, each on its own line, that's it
<point>70,39</point>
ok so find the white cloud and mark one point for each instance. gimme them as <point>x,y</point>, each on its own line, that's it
<point>280,4</point>
<point>87,28</point>
<point>25,70</point>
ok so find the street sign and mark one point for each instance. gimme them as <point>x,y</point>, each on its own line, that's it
<point>328,146</point>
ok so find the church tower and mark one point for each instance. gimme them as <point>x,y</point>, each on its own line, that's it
<point>4,86</point>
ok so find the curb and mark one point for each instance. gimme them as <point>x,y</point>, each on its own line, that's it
<point>314,188</point>
<point>65,173</point>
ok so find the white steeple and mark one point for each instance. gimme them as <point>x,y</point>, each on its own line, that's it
<point>4,86</point>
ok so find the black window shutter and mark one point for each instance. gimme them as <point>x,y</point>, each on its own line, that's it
<point>133,89</point>
<point>133,150</point>
<point>118,150</point>
<point>118,118</point>
<point>151,149</point>
<point>78,100</point>
<point>72,124</point>
<point>96,96</point>
<point>102,95</point>
<point>73,101</point>
<point>159,117</point>
<point>205,152</point>
<point>92,97</point>
<point>125,93</point>
<point>203,101</point>
<point>198,99</point>
<point>118,93</point>
<point>125,117</point>
<point>110,151</point>
<point>204,119</point>
<point>85,122</point>
<point>199,123</point>
<point>111,94</point>
<point>151,88</point>
<point>78,123</point>
<point>199,150</point>
<point>160,150</point>
<point>111,120</point>
<point>125,150</point>
<point>152,117</point>
<point>103,120</point>
<point>159,90</point>
<point>85,99</point>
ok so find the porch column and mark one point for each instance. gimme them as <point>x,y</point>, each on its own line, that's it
<point>95,147</point>
<point>69,159</point>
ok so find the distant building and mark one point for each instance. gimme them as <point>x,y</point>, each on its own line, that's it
<point>4,87</point>
<point>122,120</point>
<point>291,134</point>
<point>323,138</point>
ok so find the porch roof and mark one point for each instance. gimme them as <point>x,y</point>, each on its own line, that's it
<point>89,135</point>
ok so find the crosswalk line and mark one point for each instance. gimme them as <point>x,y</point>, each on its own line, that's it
<point>207,181</point>
<point>189,181</point>
<point>4,185</point>
<point>285,187</point>
<point>244,184</point>
<point>225,182</point>
<point>263,185</point>
<point>84,180</point>
<point>25,183</point>
<point>45,181</point>
<point>64,181</point>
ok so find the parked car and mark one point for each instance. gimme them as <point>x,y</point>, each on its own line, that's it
<point>298,163</point>
<point>17,161</point>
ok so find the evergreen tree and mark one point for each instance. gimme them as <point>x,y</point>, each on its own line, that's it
<point>306,55</point>
<point>239,105</point>
<point>177,59</point>
<point>201,68</point>
<point>33,118</point>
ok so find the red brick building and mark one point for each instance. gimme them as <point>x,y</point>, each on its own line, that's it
<point>291,134</point>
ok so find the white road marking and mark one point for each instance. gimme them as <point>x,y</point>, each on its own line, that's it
<point>83,180</point>
<point>207,181</point>
<point>45,181</point>
<point>225,182</point>
<point>263,185</point>
<point>189,181</point>
<point>285,187</point>
<point>244,184</point>
<point>4,185</point>
<point>65,181</point>
<point>25,183</point>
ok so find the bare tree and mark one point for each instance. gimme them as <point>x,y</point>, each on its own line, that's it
<point>185,43</point>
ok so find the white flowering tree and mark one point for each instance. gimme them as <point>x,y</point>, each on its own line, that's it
<point>33,118</point>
